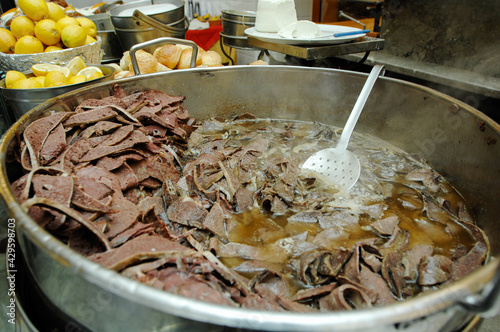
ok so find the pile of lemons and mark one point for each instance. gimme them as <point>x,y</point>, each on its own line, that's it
<point>45,28</point>
<point>48,75</point>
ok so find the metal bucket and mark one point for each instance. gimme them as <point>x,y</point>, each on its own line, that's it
<point>457,140</point>
<point>139,27</point>
<point>234,23</point>
<point>112,49</point>
<point>20,101</point>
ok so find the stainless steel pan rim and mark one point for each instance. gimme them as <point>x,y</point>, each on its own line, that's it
<point>458,293</point>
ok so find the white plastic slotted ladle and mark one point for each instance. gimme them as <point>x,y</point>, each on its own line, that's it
<point>338,166</point>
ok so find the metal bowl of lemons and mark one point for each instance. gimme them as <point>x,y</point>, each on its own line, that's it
<point>22,91</point>
<point>43,33</point>
<point>91,53</point>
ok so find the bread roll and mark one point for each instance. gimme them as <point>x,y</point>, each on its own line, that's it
<point>258,62</point>
<point>168,55</point>
<point>125,61</point>
<point>155,52</point>
<point>210,59</point>
<point>116,66</point>
<point>183,47</point>
<point>146,62</point>
<point>124,73</point>
<point>185,59</point>
<point>160,68</point>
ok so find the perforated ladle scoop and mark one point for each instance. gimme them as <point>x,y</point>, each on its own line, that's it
<point>339,166</point>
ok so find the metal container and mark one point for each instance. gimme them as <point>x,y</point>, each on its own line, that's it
<point>91,53</point>
<point>20,101</point>
<point>458,141</point>
<point>112,49</point>
<point>136,28</point>
<point>234,23</point>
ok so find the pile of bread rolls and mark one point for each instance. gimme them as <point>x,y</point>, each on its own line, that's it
<point>167,57</point>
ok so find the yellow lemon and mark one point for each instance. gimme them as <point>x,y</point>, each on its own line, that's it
<point>7,41</point>
<point>66,72</point>
<point>53,48</point>
<point>65,21</point>
<point>89,71</point>
<point>12,77</point>
<point>11,12</point>
<point>76,64</point>
<point>40,79</point>
<point>22,26</point>
<point>46,30</point>
<point>55,11</point>
<point>27,83</point>
<point>28,45</point>
<point>77,79</point>
<point>90,40</point>
<point>35,9</point>
<point>95,75</point>
<point>55,78</point>
<point>73,36</point>
<point>60,44</point>
<point>88,25</point>
<point>41,69</point>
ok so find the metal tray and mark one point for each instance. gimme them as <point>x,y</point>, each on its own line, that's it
<point>364,44</point>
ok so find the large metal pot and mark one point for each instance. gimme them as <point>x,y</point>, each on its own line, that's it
<point>111,46</point>
<point>137,27</point>
<point>234,24</point>
<point>459,142</point>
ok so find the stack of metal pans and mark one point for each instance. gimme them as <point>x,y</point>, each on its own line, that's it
<point>139,21</point>
<point>234,24</point>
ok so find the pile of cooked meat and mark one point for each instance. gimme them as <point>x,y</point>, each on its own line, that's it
<point>217,211</point>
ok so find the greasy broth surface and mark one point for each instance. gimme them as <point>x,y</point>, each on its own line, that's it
<point>383,170</point>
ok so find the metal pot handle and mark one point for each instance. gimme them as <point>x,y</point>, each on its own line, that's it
<point>108,6</point>
<point>487,302</point>
<point>162,40</point>
<point>160,25</point>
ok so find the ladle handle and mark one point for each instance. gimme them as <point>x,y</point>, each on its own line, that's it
<point>376,71</point>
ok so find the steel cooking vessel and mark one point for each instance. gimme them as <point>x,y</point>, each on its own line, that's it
<point>234,24</point>
<point>133,29</point>
<point>111,47</point>
<point>460,142</point>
